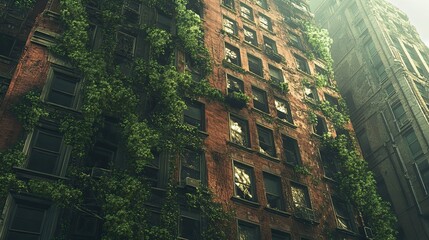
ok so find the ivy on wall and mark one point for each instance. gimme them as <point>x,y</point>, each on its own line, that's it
<point>149,102</point>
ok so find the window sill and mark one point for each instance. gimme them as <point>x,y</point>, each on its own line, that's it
<point>305,73</point>
<point>232,36</point>
<point>28,173</point>
<point>263,113</point>
<point>245,202</point>
<point>267,30</point>
<point>256,76</point>
<point>278,212</point>
<point>63,108</point>
<point>228,8</point>
<point>240,146</point>
<point>252,45</point>
<point>233,66</point>
<point>346,231</point>
<point>287,123</point>
<point>248,21</point>
<point>269,157</point>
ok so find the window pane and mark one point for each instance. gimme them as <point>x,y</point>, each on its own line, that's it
<point>61,98</point>
<point>266,142</point>
<point>28,219</point>
<point>255,65</point>
<point>190,229</point>
<point>290,147</point>
<point>42,161</point>
<point>48,140</point>
<point>22,236</point>
<point>243,177</point>
<point>190,165</point>
<point>239,131</point>
<point>248,231</point>
<point>234,84</point>
<point>194,115</point>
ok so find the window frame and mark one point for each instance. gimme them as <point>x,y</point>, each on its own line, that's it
<point>247,16</point>
<point>280,235</point>
<point>292,151</point>
<point>270,45</point>
<point>310,93</point>
<point>234,26</point>
<point>245,134</point>
<point>228,58</point>
<point>269,25</point>
<point>261,105</point>
<point>302,64</point>
<point>306,199</point>
<point>234,79</point>
<point>271,69</point>
<point>121,51</point>
<point>251,186</point>
<point>321,122</point>
<point>248,40</point>
<point>415,154</point>
<point>284,116</point>
<point>256,228</point>
<point>199,156</point>
<point>57,73</point>
<point>228,4</point>
<point>201,126</point>
<point>339,217</point>
<point>277,196</point>
<point>401,119</point>
<point>271,151</point>
<point>255,65</point>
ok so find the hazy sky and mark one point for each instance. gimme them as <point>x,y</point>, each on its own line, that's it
<point>418,13</point>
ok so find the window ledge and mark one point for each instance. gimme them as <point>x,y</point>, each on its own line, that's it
<point>254,46</point>
<point>232,36</point>
<point>346,231</point>
<point>248,21</point>
<point>267,30</point>
<point>265,114</point>
<point>232,66</point>
<point>287,123</point>
<point>246,202</point>
<point>256,75</point>
<point>28,173</point>
<point>240,146</point>
<point>278,211</point>
<point>63,108</point>
<point>269,157</point>
<point>228,8</point>
<point>305,73</point>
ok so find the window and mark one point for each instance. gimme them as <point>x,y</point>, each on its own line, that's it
<point>328,161</point>
<point>265,22</point>
<point>105,149</point>
<point>323,74</point>
<point>250,36</point>
<point>189,228</point>
<point>295,41</point>
<point>255,65</point>
<point>131,12</point>
<point>234,84</point>
<point>246,12</point>
<point>239,131</point>
<point>228,3</point>
<point>276,75</point>
<point>273,191</point>
<point>413,144</point>
<point>270,45</point>
<point>85,226</point>
<point>230,26</point>
<point>278,235</point>
<point>4,85</point>
<point>302,64</point>
<point>333,101</point>
<point>423,168</point>
<point>266,141</point>
<point>283,110</point>
<point>291,150</point>
<point>320,127</point>
<point>311,93</point>
<point>46,150</point>
<point>244,182</point>
<point>190,165</point>
<point>63,90</point>
<point>300,197</point>
<point>390,90</point>
<point>26,220</point>
<point>399,114</point>
<point>125,44</point>
<point>260,101</point>
<point>248,231</point>
<point>262,3</point>
<point>194,115</point>
<point>232,54</point>
<point>164,21</point>
<point>10,46</point>
<point>342,213</point>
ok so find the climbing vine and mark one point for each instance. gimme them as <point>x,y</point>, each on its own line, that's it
<point>358,184</point>
<point>148,102</point>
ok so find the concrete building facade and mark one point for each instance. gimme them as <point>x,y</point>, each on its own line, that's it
<point>261,158</point>
<point>381,66</point>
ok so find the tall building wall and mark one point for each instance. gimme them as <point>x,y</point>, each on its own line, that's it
<point>381,68</point>
<point>261,159</point>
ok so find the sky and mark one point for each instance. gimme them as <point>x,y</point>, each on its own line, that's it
<point>417,12</point>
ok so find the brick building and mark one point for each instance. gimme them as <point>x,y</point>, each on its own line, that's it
<point>381,67</point>
<point>262,158</point>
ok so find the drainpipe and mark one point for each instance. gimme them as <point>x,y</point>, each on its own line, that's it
<point>401,160</point>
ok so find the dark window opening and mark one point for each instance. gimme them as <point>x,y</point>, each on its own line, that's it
<point>260,101</point>
<point>273,191</point>
<point>189,228</point>
<point>283,110</point>
<point>27,220</point>
<point>228,3</point>
<point>291,150</point>
<point>302,64</point>
<point>63,90</point>
<point>234,84</point>
<point>190,165</point>
<point>250,36</point>
<point>194,115</point>
<point>232,54</point>
<point>278,235</point>
<point>255,65</point>
<point>320,127</point>
<point>266,141</point>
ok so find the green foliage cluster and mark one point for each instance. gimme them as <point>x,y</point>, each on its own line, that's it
<point>320,42</point>
<point>336,114</point>
<point>29,110</point>
<point>23,4</point>
<point>149,102</point>
<point>237,99</point>
<point>358,184</point>
<point>282,86</point>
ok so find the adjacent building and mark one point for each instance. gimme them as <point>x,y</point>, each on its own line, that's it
<point>381,66</point>
<point>261,154</point>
